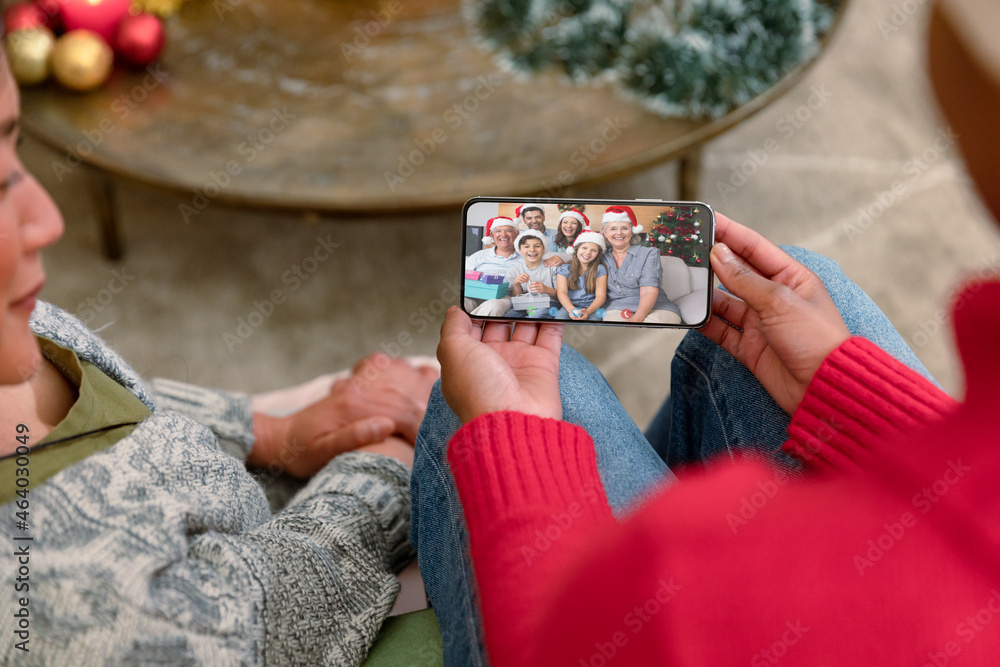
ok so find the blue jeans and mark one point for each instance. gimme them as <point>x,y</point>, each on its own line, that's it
<point>716,406</point>
<point>539,314</point>
<point>563,314</point>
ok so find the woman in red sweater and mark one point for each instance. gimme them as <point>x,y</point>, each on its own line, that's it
<point>886,553</point>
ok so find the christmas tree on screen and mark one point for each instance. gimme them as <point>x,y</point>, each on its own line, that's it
<point>569,206</point>
<point>677,232</point>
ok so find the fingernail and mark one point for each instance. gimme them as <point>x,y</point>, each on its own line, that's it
<point>723,251</point>
<point>379,429</point>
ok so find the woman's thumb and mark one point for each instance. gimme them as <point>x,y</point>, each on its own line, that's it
<point>741,279</point>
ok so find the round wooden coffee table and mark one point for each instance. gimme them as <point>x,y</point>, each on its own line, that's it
<point>350,106</point>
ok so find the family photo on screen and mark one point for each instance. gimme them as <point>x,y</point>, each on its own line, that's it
<point>636,263</point>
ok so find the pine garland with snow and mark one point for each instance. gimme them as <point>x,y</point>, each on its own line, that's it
<point>685,58</point>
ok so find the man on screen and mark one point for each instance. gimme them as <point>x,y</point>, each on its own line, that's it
<point>497,258</point>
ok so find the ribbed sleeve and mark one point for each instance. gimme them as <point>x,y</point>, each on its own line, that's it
<point>381,486</point>
<point>227,413</point>
<point>162,550</point>
<point>530,490</point>
<point>327,561</point>
<point>860,399</point>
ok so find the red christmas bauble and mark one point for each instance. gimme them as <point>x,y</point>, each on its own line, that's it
<point>140,39</point>
<point>50,8</point>
<point>22,16</point>
<point>99,16</point>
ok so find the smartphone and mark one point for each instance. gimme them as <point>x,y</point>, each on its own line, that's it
<point>642,262</point>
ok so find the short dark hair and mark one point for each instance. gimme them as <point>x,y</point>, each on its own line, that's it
<point>530,237</point>
<point>532,207</point>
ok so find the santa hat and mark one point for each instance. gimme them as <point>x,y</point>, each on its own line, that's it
<point>497,222</point>
<point>524,208</point>
<point>578,214</point>
<point>590,237</point>
<point>534,233</point>
<point>621,214</point>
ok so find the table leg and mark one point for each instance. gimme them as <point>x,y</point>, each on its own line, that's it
<point>689,174</point>
<point>103,192</point>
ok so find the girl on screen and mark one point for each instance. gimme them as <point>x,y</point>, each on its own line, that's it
<point>588,276</point>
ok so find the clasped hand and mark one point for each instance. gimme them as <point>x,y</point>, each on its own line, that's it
<point>383,397</point>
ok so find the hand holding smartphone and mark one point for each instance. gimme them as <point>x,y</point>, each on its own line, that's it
<point>588,261</point>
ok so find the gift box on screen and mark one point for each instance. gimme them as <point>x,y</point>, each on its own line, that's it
<point>491,278</point>
<point>473,275</point>
<point>526,301</point>
<point>479,290</point>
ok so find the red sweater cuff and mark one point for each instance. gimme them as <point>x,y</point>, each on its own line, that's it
<point>530,493</point>
<point>861,398</point>
<point>510,461</point>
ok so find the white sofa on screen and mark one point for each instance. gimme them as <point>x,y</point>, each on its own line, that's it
<point>687,286</point>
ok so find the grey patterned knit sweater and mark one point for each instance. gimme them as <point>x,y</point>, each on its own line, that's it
<point>162,548</point>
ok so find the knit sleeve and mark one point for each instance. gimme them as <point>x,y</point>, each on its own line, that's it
<point>227,413</point>
<point>162,550</point>
<point>860,399</point>
<point>530,492</point>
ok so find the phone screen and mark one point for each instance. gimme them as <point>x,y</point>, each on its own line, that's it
<point>588,261</point>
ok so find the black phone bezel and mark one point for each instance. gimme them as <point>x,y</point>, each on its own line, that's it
<point>587,201</point>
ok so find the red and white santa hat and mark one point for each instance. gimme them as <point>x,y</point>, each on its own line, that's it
<point>523,208</point>
<point>591,237</point>
<point>578,214</point>
<point>497,222</point>
<point>622,214</point>
<point>536,234</point>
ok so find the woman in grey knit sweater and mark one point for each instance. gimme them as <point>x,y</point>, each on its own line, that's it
<point>132,532</point>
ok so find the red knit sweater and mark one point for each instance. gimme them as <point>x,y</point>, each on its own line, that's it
<point>888,555</point>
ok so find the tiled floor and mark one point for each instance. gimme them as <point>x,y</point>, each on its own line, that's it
<point>857,136</point>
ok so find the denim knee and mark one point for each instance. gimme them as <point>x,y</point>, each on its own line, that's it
<point>573,366</point>
<point>821,265</point>
<point>700,350</point>
<point>436,407</point>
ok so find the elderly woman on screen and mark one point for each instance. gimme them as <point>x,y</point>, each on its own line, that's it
<point>635,276</point>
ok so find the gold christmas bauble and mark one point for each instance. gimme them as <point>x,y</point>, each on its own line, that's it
<point>161,8</point>
<point>81,60</point>
<point>28,54</point>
